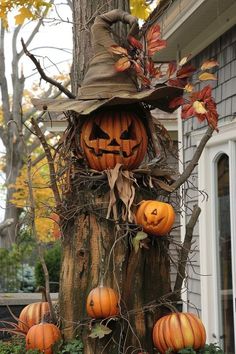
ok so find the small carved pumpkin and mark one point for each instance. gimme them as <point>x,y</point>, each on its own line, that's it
<point>112,137</point>
<point>102,302</point>
<point>178,331</point>
<point>32,314</point>
<point>156,218</point>
<point>42,337</point>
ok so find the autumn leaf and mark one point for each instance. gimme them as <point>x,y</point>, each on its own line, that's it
<point>136,240</point>
<point>208,64</point>
<point>135,43</point>
<point>176,82</point>
<point>116,49</point>
<point>155,46</point>
<point>207,76</point>
<point>122,64</point>
<point>185,72</point>
<point>176,102</point>
<point>144,80</point>
<point>171,69</point>
<point>153,71</point>
<point>99,331</point>
<point>184,60</point>
<point>153,33</point>
<point>24,14</point>
<point>199,107</point>
<point>188,88</point>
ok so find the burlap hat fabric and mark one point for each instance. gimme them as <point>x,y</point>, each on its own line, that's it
<point>103,85</point>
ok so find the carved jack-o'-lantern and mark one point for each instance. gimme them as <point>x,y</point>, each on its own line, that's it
<point>157,218</point>
<point>112,137</point>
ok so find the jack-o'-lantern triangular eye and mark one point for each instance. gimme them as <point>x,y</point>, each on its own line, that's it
<point>154,212</point>
<point>129,134</point>
<point>98,133</point>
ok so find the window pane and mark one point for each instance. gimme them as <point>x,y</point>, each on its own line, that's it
<point>224,256</point>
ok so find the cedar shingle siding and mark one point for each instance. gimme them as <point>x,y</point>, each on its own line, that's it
<point>224,51</point>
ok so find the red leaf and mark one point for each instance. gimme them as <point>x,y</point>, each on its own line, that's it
<point>187,111</point>
<point>153,33</point>
<point>185,71</point>
<point>144,80</point>
<point>155,46</point>
<point>171,69</point>
<point>135,43</point>
<point>122,64</point>
<point>153,71</point>
<point>176,82</point>
<point>176,102</point>
<point>137,67</point>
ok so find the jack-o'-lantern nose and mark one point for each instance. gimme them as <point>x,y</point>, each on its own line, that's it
<point>113,143</point>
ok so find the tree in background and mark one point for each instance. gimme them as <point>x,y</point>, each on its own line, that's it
<point>15,110</point>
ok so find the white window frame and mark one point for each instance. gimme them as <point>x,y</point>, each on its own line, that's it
<point>223,142</point>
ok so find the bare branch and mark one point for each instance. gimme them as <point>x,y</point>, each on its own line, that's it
<point>3,81</point>
<point>43,75</point>
<point>186,249</point>
<point>48,154</point>
<point>193,163</point>
<point>35,30</point>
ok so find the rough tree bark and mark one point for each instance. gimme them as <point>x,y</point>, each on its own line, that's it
<point>93,250</point>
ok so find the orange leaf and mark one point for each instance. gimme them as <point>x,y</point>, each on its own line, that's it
<point>135,43</point>
<point>155,46</point>
<point>207,76</point>
<point>188,88</point>
<point>122,64</point>
<point>115,49</point>
<point>153,33</point>
<point>208,64</point>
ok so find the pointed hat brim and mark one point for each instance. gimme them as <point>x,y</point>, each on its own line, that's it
<point>156,98</point>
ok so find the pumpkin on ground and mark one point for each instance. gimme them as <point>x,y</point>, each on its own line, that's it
<point>156,218</point>
<point>102,302</point>
<point>114,136</point>
<point>32,314</point>
<point>178,331</point>
<point>42,337</point>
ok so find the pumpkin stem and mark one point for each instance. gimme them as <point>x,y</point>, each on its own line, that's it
<point>42,290</point>
<point>170,306</point>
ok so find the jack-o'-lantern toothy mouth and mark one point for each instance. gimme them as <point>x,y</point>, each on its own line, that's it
<point>152,222</point>
<point>122,153</point>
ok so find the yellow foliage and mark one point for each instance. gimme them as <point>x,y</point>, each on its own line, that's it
<point>27,9</point>
<point>140,9</point>
<point>43,198</point>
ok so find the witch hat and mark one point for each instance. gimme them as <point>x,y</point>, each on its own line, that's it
<point>103,85</point>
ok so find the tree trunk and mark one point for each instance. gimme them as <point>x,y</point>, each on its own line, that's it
<point>95,251</point>
<point>84,12</point>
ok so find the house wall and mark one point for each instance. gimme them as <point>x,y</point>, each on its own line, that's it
<point>224,91</point>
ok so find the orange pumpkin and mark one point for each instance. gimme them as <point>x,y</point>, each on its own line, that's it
<point>42,337</point>
<point>112,137</point>
<point>102,302</point>
<point>156,218</point>
<point>32,314</point>
<point>178,331</point>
